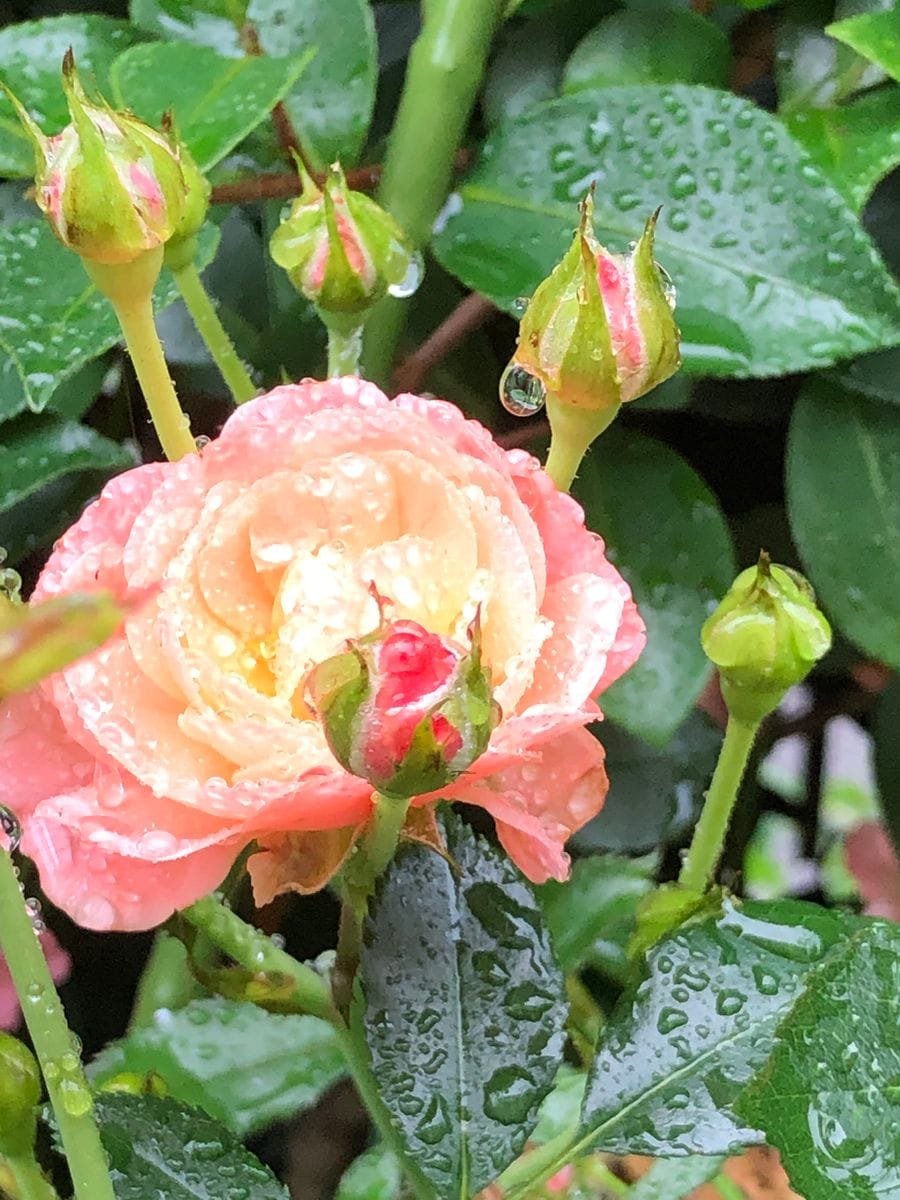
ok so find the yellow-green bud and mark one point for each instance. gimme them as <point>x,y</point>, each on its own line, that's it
<point>111,186</point>
<point>20,1094</point>
<point>182,245</point>
<point>341,249</point>
<point>38,639</point>
<point>765,637</point>
<point>599,331</point>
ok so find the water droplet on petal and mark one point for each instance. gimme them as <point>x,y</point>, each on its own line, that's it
<point>521,393</point>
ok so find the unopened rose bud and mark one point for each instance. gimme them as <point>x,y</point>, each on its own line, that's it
<point>38,639</point>
<point>341,249</point>
<point>405,709</point>
<point>181,247</point>
<point>111,186</point>
<point>765,637</point>
<point>599,331</point>
<point>20,1094</point>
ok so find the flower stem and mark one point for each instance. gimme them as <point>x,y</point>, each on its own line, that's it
<point>31,1183</point>
<point>218,343</point>
<point>445,69</point>
<point>706,845</point>
<point>344,344</point>
<point>129,288</point>
<point>254,950</point>
<point>54,1045</point>
<point>572,432</point>
<point>166,981</point>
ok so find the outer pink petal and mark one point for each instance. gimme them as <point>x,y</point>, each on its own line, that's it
<point>58,962</point>
<point>538,805</point>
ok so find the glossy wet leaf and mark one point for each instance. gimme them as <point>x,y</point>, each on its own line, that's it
<point>655,792</point>
<point>874,375</point>
<point>216,101</point>
<point>876,36</point>
<point>666,534</point>
<point>673,1178</point>
<point>829,1096</point>
<point>627,48</point>
<point>592,916</point>
<point>375,1175</point>
<point>856,144</point>
<point>462,1008</point>
<point>773,271</point>
<point>52,319</point>
<point>332,103</point>
<point>242,1065</point>
<point>35,453</point>
<point>204,22</point>
<point>31,55</point>
<point>843,485</point>
<point>680,1047</point>
<point>158,1147</point>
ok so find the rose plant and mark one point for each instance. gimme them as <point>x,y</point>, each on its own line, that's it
<point>391,759</point>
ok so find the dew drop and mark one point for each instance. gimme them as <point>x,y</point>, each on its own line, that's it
<point>10,827</point>
<point>671,1019</point>
<point>520,305</point>
<point>411,280</point>
<point>521,393</point>
<point>509,1095</point>
<point>668,286</point>
<point>435,1124</point>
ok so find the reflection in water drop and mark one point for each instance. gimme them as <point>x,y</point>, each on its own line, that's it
<point>10,828</point>
<point>411,280</point>
<point>520,305</point>
<point>521,393</point>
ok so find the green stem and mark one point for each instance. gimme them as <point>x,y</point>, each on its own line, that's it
<point>522,1176</point>
<point>218,343</point>
<point>572,432</point>
<point>166,981</point>
<point>728,1189</point>
<point>443,75</point>
<point>53,1042</point>
<point>31,1183</point>
<point>129,288</point>
<point>709,835</point>
<point>254,950</point>
<point>344,349</point>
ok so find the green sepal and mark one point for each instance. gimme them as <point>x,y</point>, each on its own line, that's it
<point>654,303</point>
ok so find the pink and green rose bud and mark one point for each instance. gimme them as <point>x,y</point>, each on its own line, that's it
<point>20,1094</point>
<point>340,248</point>
<point>405,709</point>
<point>765,637</point>
<point>599,331</point>
<point>111,186</point>
<point>182,245</point>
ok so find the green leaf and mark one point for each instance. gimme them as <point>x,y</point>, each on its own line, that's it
<point>216,101</point>
<point>774,272</point>
<point>856,144</point>
<point>157,1147</point>
<point>844,449</point>
<point>592,917</point>
<point>560,1109</point>
<point>31,57</point>
<point>666,534</point>
<point>875,375</point>
<point>331,106</point>
<point>829,1096</point>
<point>680,1047</point>
<point>876,36</point>
<point>672,1178</point>
<point>375,1175</point>
<point>655,793</point>
<point>52,319</point>
<point>244,1066</point>
<point>462,1007</point>
<point>35,453</point>
<point>627,48</point>
<point>203,22</point>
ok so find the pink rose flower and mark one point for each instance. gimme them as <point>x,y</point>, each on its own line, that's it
<point>140,772</point>
<point>58,962</point>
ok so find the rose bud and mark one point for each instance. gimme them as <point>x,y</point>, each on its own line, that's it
<point>182,245</point>
<point>765,637</point>
<point>598,331</point>
<point>341,249</point>
<point>405,709</point>
<point>111,186</point>
<point>20,1094</point>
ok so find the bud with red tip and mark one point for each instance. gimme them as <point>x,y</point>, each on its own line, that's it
<point>340,248</point>
<point>405,709</point>
<point>111,186</point>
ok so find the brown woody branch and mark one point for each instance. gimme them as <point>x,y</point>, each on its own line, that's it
<point>470,314</point>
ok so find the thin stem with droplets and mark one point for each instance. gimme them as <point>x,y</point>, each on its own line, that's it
<point>209,326</point>
<point>53,1042</point>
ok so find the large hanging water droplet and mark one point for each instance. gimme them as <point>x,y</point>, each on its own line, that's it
<point>10,827</point>
<point>521,393</point>
<point>668,286</point>
<point>411,280</point>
